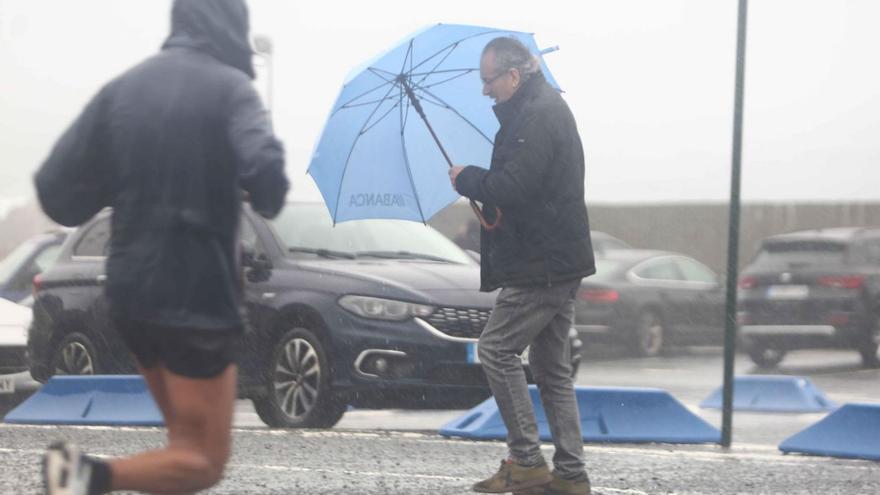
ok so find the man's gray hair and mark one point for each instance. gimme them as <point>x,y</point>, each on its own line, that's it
<point>511,53</point>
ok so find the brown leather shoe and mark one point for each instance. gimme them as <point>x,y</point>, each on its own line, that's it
<point>559,486</point>
<point>513,477</point>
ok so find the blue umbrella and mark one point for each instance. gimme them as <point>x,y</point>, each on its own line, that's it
<point>402,119</point>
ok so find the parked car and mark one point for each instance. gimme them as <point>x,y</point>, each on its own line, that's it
<point>15,382</point>
<point>371,313</point>
<point>603,242</point>
<point>645,300</point>
<point>30,258</point>
<point>812,289</point>
<point>14,321</point>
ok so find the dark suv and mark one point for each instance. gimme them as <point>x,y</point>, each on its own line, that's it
<point>370,313</point>
<point>812,289</point>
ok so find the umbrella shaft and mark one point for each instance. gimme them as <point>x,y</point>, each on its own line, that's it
<point>418,106</point>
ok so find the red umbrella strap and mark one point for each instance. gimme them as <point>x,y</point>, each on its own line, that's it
<point>486,225</point>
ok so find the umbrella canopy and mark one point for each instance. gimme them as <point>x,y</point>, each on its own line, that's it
<point>377,158</point>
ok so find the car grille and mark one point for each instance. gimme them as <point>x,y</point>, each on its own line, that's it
<point>467,323</point>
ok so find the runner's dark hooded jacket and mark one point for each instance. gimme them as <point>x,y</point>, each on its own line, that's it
<point>170,145</point>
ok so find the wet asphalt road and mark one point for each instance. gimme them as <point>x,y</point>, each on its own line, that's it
<point>396,452</point>
<point>362,462</point>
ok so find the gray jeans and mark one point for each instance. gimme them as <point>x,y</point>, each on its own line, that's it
<point>539,317</point>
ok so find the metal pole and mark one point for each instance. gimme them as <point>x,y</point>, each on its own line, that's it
<point>733,234</point>
<point>265,48</point>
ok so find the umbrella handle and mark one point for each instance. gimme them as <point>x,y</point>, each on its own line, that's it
<point>486,225</point>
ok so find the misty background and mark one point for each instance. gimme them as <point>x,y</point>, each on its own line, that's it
<point>650,83</point>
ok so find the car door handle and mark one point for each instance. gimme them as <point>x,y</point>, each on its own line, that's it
<point>101,279</point>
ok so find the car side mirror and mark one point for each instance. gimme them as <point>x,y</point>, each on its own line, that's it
<point>259,266</point>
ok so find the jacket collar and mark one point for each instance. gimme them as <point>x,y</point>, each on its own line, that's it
<point>509,109</point>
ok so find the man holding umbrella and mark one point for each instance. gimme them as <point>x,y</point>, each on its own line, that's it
<point>537,254</point>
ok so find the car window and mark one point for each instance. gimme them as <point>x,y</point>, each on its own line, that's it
<point>95,242</point>
<point>695,271</point>
<point>663,269</point>
<point>605,270</point>
<point>801,253</point>
<point>47,257</point>
<point>13,261</point>
<point>44,259</point>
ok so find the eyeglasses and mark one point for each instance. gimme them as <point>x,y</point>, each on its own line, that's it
<point>490,81</point>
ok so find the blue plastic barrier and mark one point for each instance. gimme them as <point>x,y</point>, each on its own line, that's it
<point>773,393</point>
<point>631,415</point>
<point>90,400</point>
<point>853,431</point>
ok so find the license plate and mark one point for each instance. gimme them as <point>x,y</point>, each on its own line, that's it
<point>474,357</point>
<point>788,292</point>
<point>7,385</point>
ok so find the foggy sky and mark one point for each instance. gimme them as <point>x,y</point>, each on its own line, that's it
<point>649,81</point>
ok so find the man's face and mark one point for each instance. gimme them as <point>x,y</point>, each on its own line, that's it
<point>498,85</point>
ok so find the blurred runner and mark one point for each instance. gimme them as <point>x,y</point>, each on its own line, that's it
<point>170,145</point>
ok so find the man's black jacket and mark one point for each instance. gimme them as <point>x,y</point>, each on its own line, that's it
<point>169,145</point>
<point>536,178</point>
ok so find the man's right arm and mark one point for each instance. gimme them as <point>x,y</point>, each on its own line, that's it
<point>260,155</point>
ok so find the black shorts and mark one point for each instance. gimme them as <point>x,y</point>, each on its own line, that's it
<point>187,352</point>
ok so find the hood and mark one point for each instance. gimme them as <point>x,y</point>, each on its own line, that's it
<point>216,27</point>
<point>443,283</point>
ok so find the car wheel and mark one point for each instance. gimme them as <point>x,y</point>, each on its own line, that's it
<point>765,356</point>
<point>298,391</point>
<point>649,335</point>
<point>75,355</point>
<point>870,344</point>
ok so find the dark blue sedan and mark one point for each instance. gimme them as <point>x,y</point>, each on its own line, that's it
<point>370,313</point>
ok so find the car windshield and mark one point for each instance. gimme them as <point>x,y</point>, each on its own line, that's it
<point>306,228</point>
<point>791,254</point>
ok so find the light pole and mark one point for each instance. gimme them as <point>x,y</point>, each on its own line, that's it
<point>733,226</point>
<point>264,49</point>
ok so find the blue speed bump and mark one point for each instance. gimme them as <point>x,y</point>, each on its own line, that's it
<point>773,393</point>
<point>626,415</point>
<point>853,431</point>
<point>90,400</point>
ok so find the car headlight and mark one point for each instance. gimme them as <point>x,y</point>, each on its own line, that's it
<point>384,309</point>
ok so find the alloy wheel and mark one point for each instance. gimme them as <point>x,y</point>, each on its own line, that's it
<point>650,335</point>
<point>297,378</point>
<point>74,360</point>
